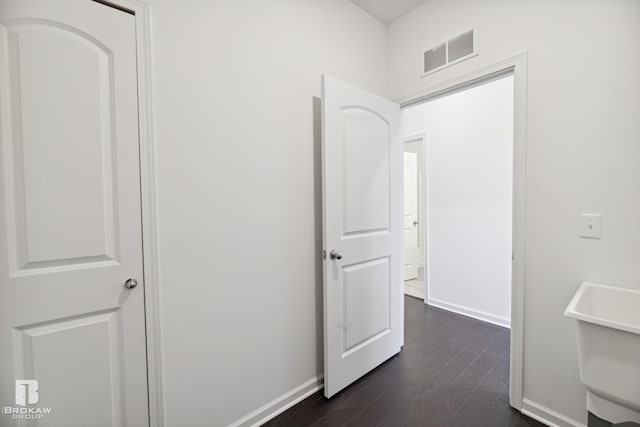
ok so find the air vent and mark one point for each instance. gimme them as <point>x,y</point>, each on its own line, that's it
<point>456,50</point>
<point>435,58</point>
<point>461,46</point>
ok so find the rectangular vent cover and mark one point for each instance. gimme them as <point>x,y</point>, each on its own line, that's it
<point>435,58</point>
<point>453,51</point>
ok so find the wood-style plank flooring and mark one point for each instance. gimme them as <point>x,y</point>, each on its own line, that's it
<point>452,371</point>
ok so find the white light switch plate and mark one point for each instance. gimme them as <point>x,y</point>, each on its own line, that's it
<point>590,226</point>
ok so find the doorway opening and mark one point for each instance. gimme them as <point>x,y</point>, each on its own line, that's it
<point>363,220</point>
<point>413,216</point>
<point>516,67</point>
<point>458,200</point>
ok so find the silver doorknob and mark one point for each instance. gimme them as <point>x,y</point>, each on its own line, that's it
<point>131,283</point>
<point>335,254</point>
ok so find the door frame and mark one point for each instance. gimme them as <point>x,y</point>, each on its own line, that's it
<point>421,138</point>
<point>141,11</point>
<point>516,65</point>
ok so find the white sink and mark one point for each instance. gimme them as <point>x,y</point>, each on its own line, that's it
<point>608,331</point>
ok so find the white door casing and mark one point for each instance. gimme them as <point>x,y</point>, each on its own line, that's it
<point>362,214</point>
<point>70,219</point>
<point>410,258</point>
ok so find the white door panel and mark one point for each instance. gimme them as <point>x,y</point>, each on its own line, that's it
<point>366,192</point>
<point>70,218</point>
<point>410,216</point>
<point>54,123</point>
<point>362,186</point>
<point>366,312</point>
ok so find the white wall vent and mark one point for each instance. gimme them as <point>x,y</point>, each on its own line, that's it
<point>457,49</point>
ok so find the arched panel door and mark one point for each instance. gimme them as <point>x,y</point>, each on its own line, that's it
<point>72,334</point>
<point>362,203</point>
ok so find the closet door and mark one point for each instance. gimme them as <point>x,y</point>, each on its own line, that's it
<point>72,323</point>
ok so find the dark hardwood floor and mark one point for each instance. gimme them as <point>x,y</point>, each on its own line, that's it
<point>452,371</point>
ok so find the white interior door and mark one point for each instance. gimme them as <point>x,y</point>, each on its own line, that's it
<point>362,202</point>
<point>410,216</point>
<point>70,216</point>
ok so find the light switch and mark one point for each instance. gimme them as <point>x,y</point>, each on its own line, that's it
<point>590,226</point>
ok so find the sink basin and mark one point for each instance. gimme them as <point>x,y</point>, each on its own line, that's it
<point>608,331</point>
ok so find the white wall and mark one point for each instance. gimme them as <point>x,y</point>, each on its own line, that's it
<point>582,152</point>
<point>469,203</point>
<point>239,191</point>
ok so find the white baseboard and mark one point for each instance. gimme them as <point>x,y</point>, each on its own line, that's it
<point>280,404</point>
<point>547,416</point>
<point>476,314</point>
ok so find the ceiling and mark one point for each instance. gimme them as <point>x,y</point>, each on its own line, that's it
<point>387,11</point>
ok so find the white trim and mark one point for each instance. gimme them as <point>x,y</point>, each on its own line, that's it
<point>470,312</point>
<point>547,416</point>
<point>149,206</point>
<point>281,403</point>
<point>517,65</point>
<point>414,137</point>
